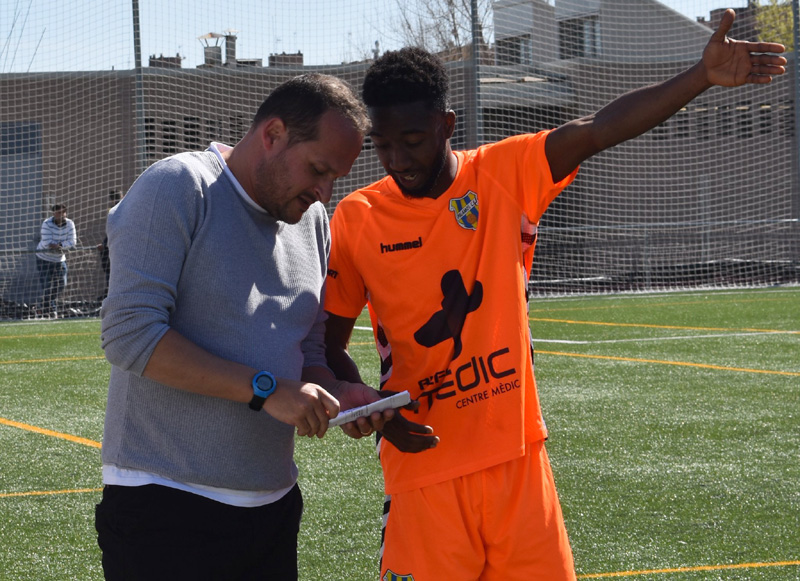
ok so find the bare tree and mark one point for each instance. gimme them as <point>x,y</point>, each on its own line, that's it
<point>443,26</point>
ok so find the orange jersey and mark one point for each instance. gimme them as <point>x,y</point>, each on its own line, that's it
<point>445,280</point>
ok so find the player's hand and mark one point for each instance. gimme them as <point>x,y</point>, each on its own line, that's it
<point>353,395</point>
<point>731,63</point>
<point>305,406</point>
<point>408,436</point>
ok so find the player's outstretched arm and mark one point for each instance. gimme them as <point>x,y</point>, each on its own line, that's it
<point>725,62</point>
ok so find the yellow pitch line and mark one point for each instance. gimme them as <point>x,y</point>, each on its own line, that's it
<point>47,492</point>
<point>48,335</point>
<point>46,432</point>
<point>53,360</point>
<point>690,569</point>
<point>679,363</point>
<point>672,327</point>
<point>657,304</point>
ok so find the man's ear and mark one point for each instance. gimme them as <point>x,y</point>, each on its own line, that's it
<point>450,123</point>
<point>273,132</point>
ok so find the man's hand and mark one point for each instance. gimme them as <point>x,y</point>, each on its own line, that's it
<point>731,63</point>
<point>408,436</point>
<point>353,395</point>
<point>307,406</point>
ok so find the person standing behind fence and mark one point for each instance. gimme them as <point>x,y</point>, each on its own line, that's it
<point>58,235</point>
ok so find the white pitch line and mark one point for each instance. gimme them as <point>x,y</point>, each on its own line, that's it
<point>676,338</point>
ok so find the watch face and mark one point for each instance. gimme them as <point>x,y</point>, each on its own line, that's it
<point>265,383</point>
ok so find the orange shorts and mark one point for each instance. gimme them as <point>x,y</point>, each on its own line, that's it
<point>502,523</point>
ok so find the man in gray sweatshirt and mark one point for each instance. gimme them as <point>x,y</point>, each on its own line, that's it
<point>214,328</point>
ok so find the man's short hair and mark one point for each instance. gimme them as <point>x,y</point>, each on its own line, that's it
<point>303,100</point>
<point>404,76</point>
<point>56,207</point>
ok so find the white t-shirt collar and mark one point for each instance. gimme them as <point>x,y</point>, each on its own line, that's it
<point>218,148</point>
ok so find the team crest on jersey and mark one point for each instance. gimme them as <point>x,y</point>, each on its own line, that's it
<point>390,576</point>
<point>465,209</point>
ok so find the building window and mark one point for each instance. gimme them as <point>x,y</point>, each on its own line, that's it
<point>149,135</point>
<point>214,130</point>
<point>21,197</point>
<point>170,137</point>
<point>517,50</point>
<point>20,138</point>
<point>682,124</point>
<point>703,124</point>
<point>660,132</point>
<point>745,120</point>
<point>191,132</point>
<point>765,119</point>
<point>786,117</point>
<point>579,37</point>
<point>724,121</point>
<point>238,128</point>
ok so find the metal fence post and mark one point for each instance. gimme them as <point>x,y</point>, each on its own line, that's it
<point>141,159</point>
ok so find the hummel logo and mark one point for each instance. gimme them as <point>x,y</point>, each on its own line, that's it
<point>456,305</point>
<point>401,245</point>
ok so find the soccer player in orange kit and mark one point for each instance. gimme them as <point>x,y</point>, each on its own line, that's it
<point>441,249</point>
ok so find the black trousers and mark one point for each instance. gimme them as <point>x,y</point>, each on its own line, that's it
<point>154,532</point>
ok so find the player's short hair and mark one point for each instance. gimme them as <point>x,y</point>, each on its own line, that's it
<point>404,76</point>
<point>56,207</point>
<point>301,102</point>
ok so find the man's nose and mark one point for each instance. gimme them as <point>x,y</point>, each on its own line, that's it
<point>325,191</point>
<point>399,160</point>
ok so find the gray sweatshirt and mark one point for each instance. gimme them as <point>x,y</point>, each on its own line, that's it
<point>188,253</point>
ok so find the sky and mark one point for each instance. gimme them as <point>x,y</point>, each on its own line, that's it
<point>73,35</point>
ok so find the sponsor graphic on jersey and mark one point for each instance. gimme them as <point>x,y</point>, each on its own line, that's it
<point>481,376</point>
<point>475,381</point>
<point>392,576</point>
<point>465,209</point>
<point>456,305</point>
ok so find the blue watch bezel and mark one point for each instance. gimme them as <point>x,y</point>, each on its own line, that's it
<point>257,390</point>
<point>260,395</point>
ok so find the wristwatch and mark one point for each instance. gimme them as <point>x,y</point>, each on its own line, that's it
<point>263,385</point>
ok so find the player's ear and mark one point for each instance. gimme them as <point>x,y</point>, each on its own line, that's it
<point>272,132</point>
<point>449,123</point>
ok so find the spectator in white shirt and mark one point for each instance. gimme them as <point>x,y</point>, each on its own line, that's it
<point>58,235</point>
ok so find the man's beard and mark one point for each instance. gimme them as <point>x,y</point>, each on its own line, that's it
<point>424,189</point>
